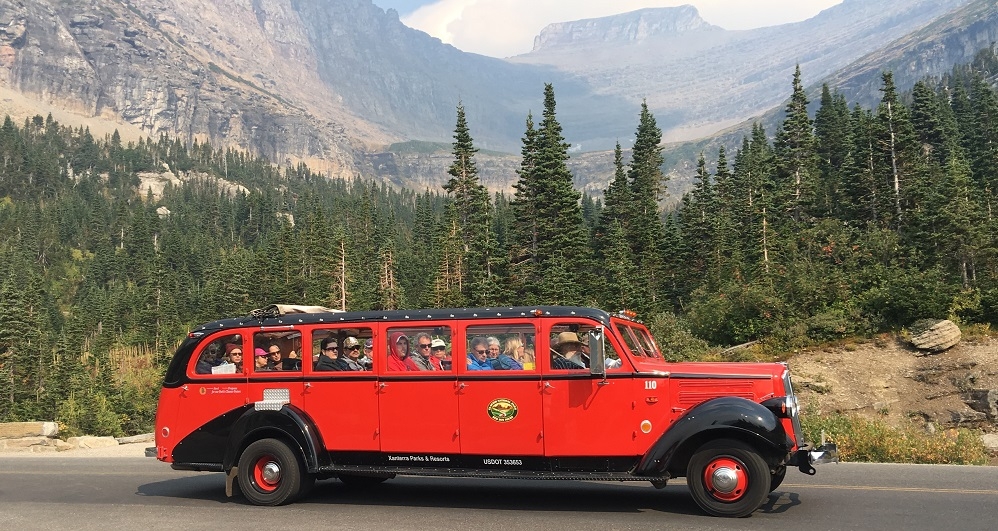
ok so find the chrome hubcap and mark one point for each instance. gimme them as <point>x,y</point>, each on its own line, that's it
<point>271,473</point>
<point>724,480</point>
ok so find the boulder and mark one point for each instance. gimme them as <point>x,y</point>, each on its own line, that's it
<point>983,401</point>
<point>143,438</point>
<point>934,335</point>
<point>13,430</point>
<point>88,441</point>
<point>990,441</point>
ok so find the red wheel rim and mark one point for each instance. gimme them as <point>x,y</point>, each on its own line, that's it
<point>267,474</point>
<point>725,478</point>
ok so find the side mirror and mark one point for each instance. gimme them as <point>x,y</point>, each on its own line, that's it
<point>597,346</point>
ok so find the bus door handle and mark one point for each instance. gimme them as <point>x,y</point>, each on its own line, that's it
<point>547,385</point>
<point>382,386</point>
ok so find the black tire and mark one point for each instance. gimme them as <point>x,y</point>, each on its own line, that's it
<point>270,473</point>
<point>776,478</point>
<point>746,472</point>
<point>360,481</point>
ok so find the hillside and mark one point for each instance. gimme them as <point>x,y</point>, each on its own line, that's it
<point>885,379</point>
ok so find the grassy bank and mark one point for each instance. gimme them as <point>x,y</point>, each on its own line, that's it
<point>875,441</point>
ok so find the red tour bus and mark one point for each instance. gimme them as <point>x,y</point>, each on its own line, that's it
<point>547,392</point>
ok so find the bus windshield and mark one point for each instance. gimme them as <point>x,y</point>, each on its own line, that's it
<point>639,340</point>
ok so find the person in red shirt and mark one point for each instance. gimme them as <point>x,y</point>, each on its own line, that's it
<point>398,351</point>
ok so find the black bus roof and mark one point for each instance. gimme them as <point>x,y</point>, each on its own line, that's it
<point>270,316</point>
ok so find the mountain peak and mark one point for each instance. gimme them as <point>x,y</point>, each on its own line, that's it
<point>625,28</point>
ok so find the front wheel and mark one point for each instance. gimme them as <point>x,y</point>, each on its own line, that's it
<point>728,478</point>
<point>270,473</point>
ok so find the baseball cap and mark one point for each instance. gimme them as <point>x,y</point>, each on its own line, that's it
<point>350,342</point>
<point>259,352</point>
<point>438,343</point>
<point>369,343</point>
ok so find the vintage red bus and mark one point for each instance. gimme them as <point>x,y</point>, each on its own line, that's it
<point>546,392</point>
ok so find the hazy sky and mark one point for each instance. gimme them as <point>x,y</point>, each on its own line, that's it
<point>503,28</point>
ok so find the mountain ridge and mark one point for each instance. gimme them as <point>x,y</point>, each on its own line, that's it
<point>334,83</point>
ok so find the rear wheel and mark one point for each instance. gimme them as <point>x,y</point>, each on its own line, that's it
<point>728,478</point>
<point>270,473</point>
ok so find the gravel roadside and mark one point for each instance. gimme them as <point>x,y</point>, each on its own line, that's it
<point>121,450</point>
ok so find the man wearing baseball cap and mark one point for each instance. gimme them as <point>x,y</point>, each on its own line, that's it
<point>353,358</point>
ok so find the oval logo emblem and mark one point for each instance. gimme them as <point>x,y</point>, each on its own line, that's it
<point>502,410</point>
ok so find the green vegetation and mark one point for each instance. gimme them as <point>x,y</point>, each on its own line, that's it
<point>860,439</point>
<point>857,222</point>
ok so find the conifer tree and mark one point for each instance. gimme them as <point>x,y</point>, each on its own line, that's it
<point>523,268</point>
<point>563,256</point>
<point>896,154</point>
<point>796,158</point>
<point>645,231</point>
<point>474,215</point>
<point>833,132</point>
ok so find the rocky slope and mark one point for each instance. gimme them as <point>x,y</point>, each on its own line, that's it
<point>886,379</point>
<point>135,62</point>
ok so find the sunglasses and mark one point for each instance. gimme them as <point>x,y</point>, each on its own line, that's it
<point>353,348</point>
<point>424,345</point>
<point>480,352</point>
<point>235,354</point>
<point>439,348</point>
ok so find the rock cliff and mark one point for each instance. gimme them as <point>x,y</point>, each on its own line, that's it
<point>627,28</point>
<point>137,62</point>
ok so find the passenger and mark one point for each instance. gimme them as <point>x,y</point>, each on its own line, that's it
<point>420,359</point>
<point>398,351</point>
<point>261,363</point>
<point>329,359</point>
<point>367,360</point>
<point>235,355</point>
<point>209,359</point>
<point>567,352</point>
<point>439,357</point>
<point>528,358</point>
<point>274,360</point>
<point>351,348</point>
<point>501,361</point>
<point>514,349</point>
<point>478,357</point>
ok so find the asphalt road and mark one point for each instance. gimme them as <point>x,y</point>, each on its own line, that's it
<point>138,493</point>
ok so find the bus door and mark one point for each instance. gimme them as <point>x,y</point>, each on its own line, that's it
<point>500,392</point>
<point>417,396</point>
<point>341,390</point>
<point>581,411</point>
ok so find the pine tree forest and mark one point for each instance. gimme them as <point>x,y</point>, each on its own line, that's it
<point>843,222</point>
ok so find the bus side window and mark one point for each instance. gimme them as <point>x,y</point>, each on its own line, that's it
<point>221,356</point>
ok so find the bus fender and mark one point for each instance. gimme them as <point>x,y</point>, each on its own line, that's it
<point>289,423</point>
<point>724,417</point>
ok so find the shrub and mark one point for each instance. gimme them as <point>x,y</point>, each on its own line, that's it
<point>860,439</point>
<point>675,339</point>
